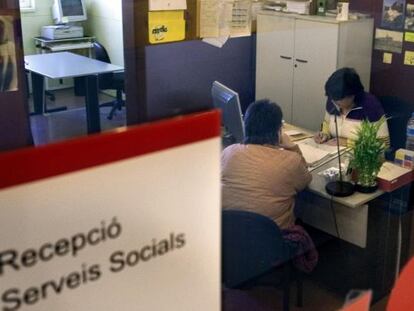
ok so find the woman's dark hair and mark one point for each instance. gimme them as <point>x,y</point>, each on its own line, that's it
<point>343,83</point>
<point>262,122</point>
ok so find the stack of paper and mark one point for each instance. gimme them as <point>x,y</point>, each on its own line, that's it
<point>314,153</point>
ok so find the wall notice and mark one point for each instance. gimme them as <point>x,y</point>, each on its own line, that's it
<point>387,58</point>
<point>409,58</point>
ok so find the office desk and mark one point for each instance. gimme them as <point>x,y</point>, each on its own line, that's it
<point>68,65</point>
<point>351,213</point>
<point>368,234</point>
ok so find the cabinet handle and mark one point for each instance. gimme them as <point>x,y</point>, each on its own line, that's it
<point>301,60</point>
<point>285,57</point>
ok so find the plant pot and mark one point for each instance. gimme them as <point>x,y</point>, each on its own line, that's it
<point>366,189</point>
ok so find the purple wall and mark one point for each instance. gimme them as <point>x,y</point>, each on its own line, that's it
<point>180,75</point>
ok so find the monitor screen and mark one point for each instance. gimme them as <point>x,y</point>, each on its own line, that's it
<point>67,11</point>
<point>72,7</point>
<point>228,101</point>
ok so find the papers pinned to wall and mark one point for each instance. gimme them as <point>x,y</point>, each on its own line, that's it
<point>409,58</point>
<point>387,58</point>
<point>241,19</point>
<point>409,36</point>
<point>166,26</point>
<point>209,18</point>
<point>220,19</point>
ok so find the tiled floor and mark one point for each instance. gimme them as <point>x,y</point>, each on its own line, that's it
<point>70,123</point>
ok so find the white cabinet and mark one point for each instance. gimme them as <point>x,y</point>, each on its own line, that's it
<point>296,54</point>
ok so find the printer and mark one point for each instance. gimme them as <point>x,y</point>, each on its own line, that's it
<point>55,32</point>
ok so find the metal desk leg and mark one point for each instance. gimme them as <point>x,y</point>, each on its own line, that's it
<point>92,104</point>
<point>39,103</point>
<point>38,92</point>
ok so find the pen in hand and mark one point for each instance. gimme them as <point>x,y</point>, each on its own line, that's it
<point>320,136</point>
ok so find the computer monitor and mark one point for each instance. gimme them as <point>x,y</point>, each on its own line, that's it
<point>228,101</point>
<point>68,11</point>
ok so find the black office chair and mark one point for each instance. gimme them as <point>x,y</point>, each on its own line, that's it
<point>109,81</point>
<point>255,253</point>
<point>397,112</point>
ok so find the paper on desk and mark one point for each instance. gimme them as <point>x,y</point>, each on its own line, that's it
<point>295,135</point>
<point>313,155</point>
<point>322,147</point>
<point>166,5</point>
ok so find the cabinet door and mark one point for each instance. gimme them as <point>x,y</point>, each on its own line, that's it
<point>315,59</point>
<point>274,61</point>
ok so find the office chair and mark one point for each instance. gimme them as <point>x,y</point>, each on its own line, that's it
<point>397,112</point>
<point>255,253</point>
<point>109,81</point>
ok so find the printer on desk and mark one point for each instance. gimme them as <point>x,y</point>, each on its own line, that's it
<point>55,32</point>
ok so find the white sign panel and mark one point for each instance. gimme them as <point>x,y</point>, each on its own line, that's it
<point>167,5</point>
<point>137,234</point>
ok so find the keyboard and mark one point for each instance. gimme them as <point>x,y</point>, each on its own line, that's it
<point>70,46</point>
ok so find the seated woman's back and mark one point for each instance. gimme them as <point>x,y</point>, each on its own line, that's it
<point>263,179</point>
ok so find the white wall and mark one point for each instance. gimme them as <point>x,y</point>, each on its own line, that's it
<point>105,23</point>
<point>32,23</point>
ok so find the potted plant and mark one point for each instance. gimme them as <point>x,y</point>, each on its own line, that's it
<point>367,155</point>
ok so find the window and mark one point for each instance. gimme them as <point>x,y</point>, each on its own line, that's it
<point>27,5</point>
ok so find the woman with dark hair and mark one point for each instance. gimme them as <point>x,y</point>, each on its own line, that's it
<point>264,174</point>
<point>351,104</point>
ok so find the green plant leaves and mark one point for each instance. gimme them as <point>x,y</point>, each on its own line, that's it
<point>368,151</point>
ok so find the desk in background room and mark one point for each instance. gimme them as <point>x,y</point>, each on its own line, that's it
<point>68,65</point>
<point>79,45</point>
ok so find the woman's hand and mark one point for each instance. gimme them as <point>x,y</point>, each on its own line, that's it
<point>321,138</point>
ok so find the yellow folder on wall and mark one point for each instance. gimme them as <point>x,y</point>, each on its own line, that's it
<point>166,26</point>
